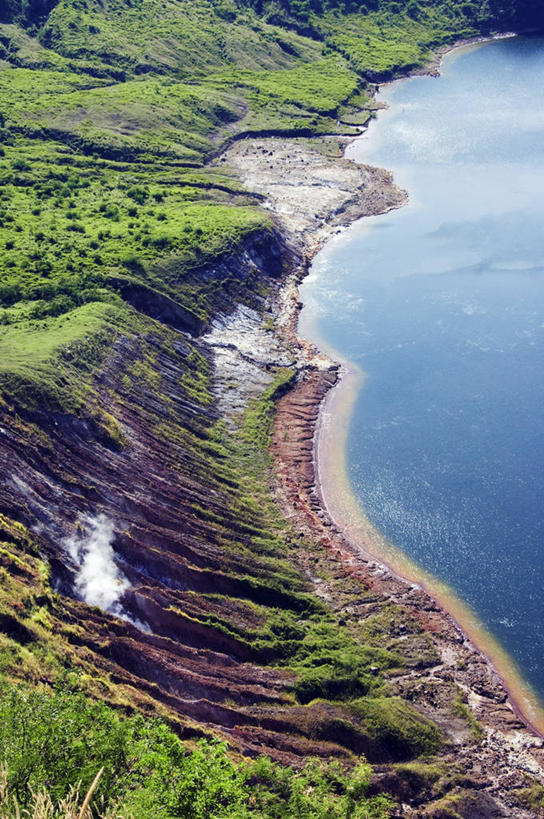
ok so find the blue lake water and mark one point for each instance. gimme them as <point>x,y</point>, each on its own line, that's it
<point>441,303</point>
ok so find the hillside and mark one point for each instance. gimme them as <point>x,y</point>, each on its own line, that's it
<point>150,558</point>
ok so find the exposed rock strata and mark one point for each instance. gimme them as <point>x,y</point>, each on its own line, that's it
<point>186,545</point>
<point>439,661</point>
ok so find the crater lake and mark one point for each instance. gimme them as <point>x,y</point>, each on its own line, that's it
<point>441,305</point>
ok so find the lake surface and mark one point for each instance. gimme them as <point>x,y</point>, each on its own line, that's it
<point>441,304</point>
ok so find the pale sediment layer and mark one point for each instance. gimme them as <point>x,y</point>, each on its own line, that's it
<point>311,192</point>
<point>294,175</point>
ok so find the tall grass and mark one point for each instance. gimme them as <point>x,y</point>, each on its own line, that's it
<point>43,807</point>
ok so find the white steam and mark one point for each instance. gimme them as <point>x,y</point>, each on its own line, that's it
<point>99,581</point>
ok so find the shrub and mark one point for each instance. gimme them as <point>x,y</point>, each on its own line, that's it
<point>138,194</point>
<point>60,741</point>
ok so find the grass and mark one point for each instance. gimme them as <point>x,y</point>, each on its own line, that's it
<point>421,774</point>
<point>398,727</point>
<point>100,164</point>
<point>163,35</point>
<point>25,347</point>
<point>109,112</point>
<point>71,234</point>
<point>461,709</point>
<point>305,98</point>
<point>49,739</point>
<point>49,364</point>
<point>50,367</point>
<point>108,115</point>
<point>379,45</point>
<point>43,807</point>
<point>375,46</point>
<point>146,116</point>
<point>276,620</point>
<point>532,796</point>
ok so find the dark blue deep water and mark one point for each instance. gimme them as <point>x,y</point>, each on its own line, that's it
<point>441,303</point>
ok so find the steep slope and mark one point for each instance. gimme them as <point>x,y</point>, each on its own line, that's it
<point>143,550</point>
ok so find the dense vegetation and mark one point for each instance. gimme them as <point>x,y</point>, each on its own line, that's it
<point>110,111</point>
<point>484,14</point>
<point>58,739</point>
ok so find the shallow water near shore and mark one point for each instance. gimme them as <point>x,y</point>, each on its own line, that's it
<point>441,304</point>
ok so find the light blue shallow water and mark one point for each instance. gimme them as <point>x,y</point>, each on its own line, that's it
<point>442,305</point>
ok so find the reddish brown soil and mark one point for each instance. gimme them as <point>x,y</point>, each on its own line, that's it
<point>432,679</point>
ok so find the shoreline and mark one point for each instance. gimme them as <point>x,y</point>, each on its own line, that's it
<point>313,192</point>
<point>331,498</point>
<point>433,68</point>
<point>340,503</point>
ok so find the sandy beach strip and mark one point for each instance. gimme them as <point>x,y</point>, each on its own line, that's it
<point>308,446</point>
<point>340,503</point>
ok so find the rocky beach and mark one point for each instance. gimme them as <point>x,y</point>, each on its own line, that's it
<point>186,578</point>
<point>313,191</point>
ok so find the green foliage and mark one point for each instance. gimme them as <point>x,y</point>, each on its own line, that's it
<point>182,37</point>
<point>461,709</point>
<point>318,791</point>
<point>532,796</point>
<point>421,774</point>
<point>108,112</point>
<point>62,234</point>
<point>143,116</point>
<point>305,98</point>
<point>38,358</point>
<point>397,726</point>
<point>104,108</point>
<point>60,740</point>
<point>378,47</point>
<point>198,785</point>
<point>304,12</point>
<point>332,665</point>
<point>259,416</point>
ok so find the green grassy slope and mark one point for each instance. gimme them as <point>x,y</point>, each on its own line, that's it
<point>109,111</point>
<point>108,108</point>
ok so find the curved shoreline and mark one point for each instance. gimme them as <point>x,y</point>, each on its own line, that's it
<point>340,504</point>
<point>313,192</point>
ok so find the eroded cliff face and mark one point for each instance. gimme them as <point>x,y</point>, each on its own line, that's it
<point>150,523</point>
<point>145,554</point>
<point>176,582</point>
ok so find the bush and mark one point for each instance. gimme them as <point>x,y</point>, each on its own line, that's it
<point>398,727</point>
<point>138,194</point>
<point>319,791</point>
<point>328,682</point>
<point>60,741</point>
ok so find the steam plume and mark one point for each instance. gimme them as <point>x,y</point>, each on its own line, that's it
<point>99,581</point>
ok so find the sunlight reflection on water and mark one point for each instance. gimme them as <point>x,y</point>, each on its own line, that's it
<point>441,304</point>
